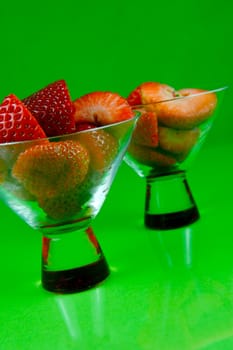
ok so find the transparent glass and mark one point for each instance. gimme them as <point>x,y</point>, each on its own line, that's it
<point>167,138</point>
<point>57,186</point>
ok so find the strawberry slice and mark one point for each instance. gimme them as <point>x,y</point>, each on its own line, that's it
<point>177,141</point>
<point>102,108</point>
<point>17,123</point>
<point>150,156</point>
<point>53,108</point>
<point>146,130</point>
<point>151,92</point>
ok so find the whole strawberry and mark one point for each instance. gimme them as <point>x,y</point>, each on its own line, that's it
<point>53,108</point>
<point>51,169</point>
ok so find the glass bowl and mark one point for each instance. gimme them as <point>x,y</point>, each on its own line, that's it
<point>168,136</point>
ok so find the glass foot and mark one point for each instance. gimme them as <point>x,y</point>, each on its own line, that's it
<point>72,262</point>
<point>169,202</point>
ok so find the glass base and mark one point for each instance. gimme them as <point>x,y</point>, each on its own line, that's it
<point>72,262</point>
<point>169,202</point>
<point>75,280</point>
<point>172,220</point>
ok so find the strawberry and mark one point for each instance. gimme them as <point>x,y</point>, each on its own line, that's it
<point>69,203</point>
<point>84,126</point>
<point>188,112</point>
<point>53,108</point>
<point>3,171</point>
<point>134,97</point>
<point>178,113</point>
<point>177,141</point>
<point>50,169</point>
<point>102,108</point>
<point>150,156</point>
<point>146,130</point>
<point>101,146</point>
<point>150,92</point>
<point>17,123</point>
<point>61,207</point>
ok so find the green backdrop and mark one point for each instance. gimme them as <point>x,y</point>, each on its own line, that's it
<point>106,45</point>
<point>116,45</point>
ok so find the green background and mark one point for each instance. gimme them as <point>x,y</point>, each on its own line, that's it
<point>102,45</point>
<point>115,46</point>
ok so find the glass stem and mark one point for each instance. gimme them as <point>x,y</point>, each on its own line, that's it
<point>72,261</point>
<point>169,202</point>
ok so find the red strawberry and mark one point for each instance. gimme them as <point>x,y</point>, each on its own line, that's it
<point>150,156</point>
<point>102,108</point>
<point>177,141</point>
<point>69,203</point>
<point>151,92</point>
<point>135,97</point>
<point>53,108</point>
<point>17,123</point>
<point>180,113</point>
<point>146,131</point>
<point>63,206</point>
<point>102,148</point>
<point>3,171</point>
<point>84,126</point>
<point>189,112</point>
<point>50,169</point>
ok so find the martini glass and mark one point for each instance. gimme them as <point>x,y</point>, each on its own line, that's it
<point>168,136</point>
<point>57,186</point>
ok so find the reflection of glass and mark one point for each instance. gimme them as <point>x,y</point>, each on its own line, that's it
<point>191,306</point>
<point>190,314</point>
<point>168,136</point>
<point>175,251</point>
<point>58,185</point>
<point>85,319</point>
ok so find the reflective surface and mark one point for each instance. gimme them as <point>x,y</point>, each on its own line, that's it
<point>167,290</point>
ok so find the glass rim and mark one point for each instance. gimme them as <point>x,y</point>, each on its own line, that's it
<point>65,136</point>
<point>205,92</point>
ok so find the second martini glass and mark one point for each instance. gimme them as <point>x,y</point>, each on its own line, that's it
<point>168,136</point>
